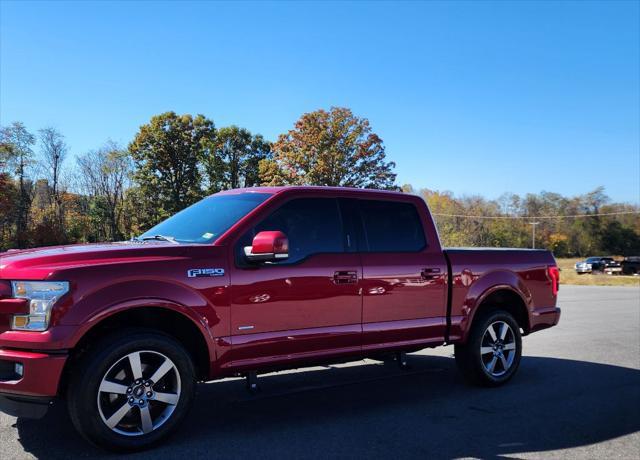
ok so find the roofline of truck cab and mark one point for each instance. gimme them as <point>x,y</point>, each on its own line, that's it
<point>302,188</point>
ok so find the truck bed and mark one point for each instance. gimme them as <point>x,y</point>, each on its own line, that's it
<point>476,273</point>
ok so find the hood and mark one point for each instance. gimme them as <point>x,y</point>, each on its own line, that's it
<point>41,263</point>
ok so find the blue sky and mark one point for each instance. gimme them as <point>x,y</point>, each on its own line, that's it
<point>473,98</point>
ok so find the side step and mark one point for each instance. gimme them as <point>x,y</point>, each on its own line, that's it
<point>401,358</point>
<point>251,378</point>
<point>252,382</point>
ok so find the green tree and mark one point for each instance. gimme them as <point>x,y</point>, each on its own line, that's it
<point>234,159</point>
<point>139,212</point>
<point>620,240</point>
<point>332,148</point>
<point>17,155</point>
<point>8,210</point>
<point>167,152</point>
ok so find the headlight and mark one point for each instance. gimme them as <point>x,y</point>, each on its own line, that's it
<point>42,295</point>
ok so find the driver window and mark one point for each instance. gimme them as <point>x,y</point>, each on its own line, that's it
<point>312,226</point>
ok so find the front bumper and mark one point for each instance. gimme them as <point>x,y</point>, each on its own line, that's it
<point>28,394</point>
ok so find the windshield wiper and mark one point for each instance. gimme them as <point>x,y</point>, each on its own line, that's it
<point>170,239</point>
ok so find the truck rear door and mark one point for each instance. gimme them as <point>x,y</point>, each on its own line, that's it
<point>404,276</point>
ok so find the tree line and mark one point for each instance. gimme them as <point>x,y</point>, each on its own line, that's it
<point>49,197</point>
<point>583,225</point>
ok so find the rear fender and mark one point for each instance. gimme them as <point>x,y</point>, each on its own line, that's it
<point>486,285</point>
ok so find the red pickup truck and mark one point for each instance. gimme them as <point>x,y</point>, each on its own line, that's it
<point>248,281</point>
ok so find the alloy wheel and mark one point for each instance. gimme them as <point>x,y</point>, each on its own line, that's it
<point>139,393</point>
<point>498,348</point>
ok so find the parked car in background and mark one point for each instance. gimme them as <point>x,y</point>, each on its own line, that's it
<point>601,265</point>
<point>604,265</point>
<point>583,267</point>
<point>631,265</point>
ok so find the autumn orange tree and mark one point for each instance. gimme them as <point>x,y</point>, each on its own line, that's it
<point>334,148</point>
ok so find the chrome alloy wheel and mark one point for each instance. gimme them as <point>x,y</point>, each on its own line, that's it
<point>139,393</point>
<point>498,348</point>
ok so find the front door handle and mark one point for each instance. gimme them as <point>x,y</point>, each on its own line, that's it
<point>345,277</point>
<point>430,273</point>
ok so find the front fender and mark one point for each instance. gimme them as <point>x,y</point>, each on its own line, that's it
<point>147,302</point>
<point>94,307</point>
<point>65,337</point>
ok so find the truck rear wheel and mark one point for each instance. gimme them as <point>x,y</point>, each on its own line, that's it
<point>492,353</point>
<point>131,390</point>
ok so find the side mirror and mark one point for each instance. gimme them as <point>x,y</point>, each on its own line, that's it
<point>268,247</point>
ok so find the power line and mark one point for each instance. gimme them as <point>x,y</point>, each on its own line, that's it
<point>576,216</point>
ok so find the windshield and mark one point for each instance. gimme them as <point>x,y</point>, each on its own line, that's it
<point>206,220</point>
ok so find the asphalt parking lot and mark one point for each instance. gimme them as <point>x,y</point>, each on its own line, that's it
<point>576,395</point>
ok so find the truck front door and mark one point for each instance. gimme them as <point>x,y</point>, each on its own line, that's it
<point>305,306</point>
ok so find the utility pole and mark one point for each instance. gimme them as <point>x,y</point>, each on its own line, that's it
<point>533,234</point>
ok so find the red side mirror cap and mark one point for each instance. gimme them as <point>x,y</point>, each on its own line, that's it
<point>268,246</point>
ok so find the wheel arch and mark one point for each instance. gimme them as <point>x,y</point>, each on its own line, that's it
<point>501,297</point>
<point>174,323</point>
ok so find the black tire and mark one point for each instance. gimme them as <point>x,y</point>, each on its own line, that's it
<point>107,359</point>
<point>475,365</point>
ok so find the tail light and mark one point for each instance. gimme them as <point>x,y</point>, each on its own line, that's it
<point>554,275</point>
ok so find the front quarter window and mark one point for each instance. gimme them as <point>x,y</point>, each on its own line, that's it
<point>207,219</point>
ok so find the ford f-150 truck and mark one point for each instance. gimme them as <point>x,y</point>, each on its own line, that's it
<point>248,281</point>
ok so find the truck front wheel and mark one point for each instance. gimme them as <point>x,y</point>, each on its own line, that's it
<point>492,353</point>
<point>131,390</point>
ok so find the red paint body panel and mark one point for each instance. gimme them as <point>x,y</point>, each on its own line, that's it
<point>478,273</point>
<point>280,298</point>
<point>392,335</point>
<point>260,317</point>
<point>394,287</point>
<point>270,243</point>
<point>272,350</point>
<point>41,373</point>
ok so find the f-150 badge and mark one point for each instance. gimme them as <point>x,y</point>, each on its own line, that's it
<point>205,272</point>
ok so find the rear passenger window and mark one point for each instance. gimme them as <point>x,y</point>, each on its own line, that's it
<point>392,227</point>
<point>312,226</point>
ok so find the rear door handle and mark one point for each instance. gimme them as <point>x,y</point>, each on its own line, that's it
<point>345,277</point>
<point>430,273</point>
